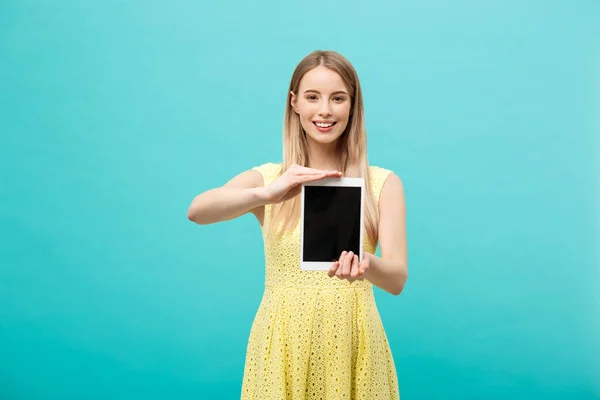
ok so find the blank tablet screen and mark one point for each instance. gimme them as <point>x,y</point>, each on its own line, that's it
<point>331,222</point>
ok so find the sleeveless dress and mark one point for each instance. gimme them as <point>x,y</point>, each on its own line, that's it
<point>316,337</point>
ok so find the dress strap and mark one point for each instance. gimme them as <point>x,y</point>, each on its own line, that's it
<point>377,177</point>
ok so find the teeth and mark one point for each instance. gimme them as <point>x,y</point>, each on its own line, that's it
<point>321,125</point>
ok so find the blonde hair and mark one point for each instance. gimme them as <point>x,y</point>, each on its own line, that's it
<point>351,148</point>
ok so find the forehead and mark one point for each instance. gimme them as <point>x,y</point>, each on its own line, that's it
<point>323,80</point>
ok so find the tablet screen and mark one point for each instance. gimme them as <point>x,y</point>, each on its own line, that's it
<point>332,222</point>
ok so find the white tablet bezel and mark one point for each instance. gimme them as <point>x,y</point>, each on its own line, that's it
<point>345,182</point>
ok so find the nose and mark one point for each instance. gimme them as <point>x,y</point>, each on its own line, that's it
<point>325,108</point>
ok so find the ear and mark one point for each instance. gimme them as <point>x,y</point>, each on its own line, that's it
<point>294,102</point>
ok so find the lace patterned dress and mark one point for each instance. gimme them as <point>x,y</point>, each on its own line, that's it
<point>316,337</point>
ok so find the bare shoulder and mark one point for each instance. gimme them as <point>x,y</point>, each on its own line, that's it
<point>384,181</point>
<point>392,187</point>
<point>393,184</point>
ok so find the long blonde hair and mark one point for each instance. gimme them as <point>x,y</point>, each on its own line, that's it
<point>351,148</point>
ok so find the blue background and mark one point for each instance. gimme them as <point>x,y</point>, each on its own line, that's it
<point>115,114</point>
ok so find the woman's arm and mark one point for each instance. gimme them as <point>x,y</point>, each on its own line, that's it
<point>247,192</point>
<point>390,271</point>
<point>244,193</point>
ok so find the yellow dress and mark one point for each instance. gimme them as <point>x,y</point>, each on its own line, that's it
<point>316,337</point>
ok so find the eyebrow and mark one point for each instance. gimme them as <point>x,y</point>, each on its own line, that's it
<point>316,91</point>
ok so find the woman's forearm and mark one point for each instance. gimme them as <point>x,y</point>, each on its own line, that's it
<point>389,275</point>
<point>222,204</point>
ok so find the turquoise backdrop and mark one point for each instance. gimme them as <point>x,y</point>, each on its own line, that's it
<point>115,114</point>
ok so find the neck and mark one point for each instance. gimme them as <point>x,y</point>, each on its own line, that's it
<point>323,156</point>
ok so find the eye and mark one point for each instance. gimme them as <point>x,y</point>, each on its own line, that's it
<point>339,99</point>
<point>311,97</point>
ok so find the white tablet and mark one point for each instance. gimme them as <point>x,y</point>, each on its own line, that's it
<point>331,221</point>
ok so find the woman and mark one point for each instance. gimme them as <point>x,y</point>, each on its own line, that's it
<point>318,335</point>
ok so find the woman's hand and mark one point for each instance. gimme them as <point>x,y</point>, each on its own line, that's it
<point>348,267</point>
<point>288,185</point>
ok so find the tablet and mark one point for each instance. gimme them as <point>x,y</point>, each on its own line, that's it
<point>331,221</point>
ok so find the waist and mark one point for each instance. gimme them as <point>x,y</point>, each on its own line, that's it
<point>322,287</point>
<point>325,283</point>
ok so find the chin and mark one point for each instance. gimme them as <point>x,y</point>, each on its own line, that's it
<point>324,138</point>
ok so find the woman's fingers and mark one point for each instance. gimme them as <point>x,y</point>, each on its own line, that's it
<point>298,174</point>
<point>299,179</point>
<point>315,177</point>
<point>355,266</point>
<point>345,264</point>
<point>333,268</point>
<point>340,268</point>
<point>348,267</point>
<point>348,263</point>
<point>289,184</point>
<point>308,178</point>
<point>309,171</point>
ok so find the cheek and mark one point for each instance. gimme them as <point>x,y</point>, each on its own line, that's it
<point>306,118</point>
<point>307,111</point>
<point>344,112</point>
<point>306,115</point>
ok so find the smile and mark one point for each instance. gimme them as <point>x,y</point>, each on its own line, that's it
<point>324,124</point>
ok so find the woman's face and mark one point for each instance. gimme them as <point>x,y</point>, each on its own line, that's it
<point>323,104</point>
